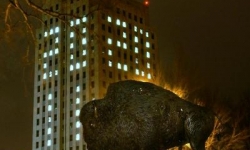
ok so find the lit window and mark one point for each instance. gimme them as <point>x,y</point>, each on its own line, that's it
<point>124,35</point>
<point>71,56</point>
<point>44,54</point>
<point>49,96</point>
<point>49,108</point>
<point>137,71</point>
<point>147,35</point>
<point>57,40</point>
<point>56,51</point>
<point>71,67</point>
<point>49,131</point>
<point>77,21</point>
<point>148,55</point>
<point>118,22</point>
<point>51,31</point>
<point>110,52</point>
<point>118,44</point>
<point>125,67</point>
<point>44,65</point>
<point>109,19</point>
<point>84,63</point>
<point>84,52</point>
<point>56,72</point>
<point>78,124</point>
<point>50,52</point>
<point>44,76</point>
<point>71,45</point>
<point>110,63</point>
<point>136,39</point>
<point>77,65</point>
<point>149,76</point>
<point>84,19</point>
<point>78,137</point>
<point>136,60</point>
<point>45,34</point>
<point>148,65</point>
<point>49,143</point>
<point>84,41</point>
<point>109,41</point>
<point>71,23</point>
<point>136,50</point>
<point>77,112</point>
<point>119,66</point>
<point>84,30</point>
<point>49,120</point>
<point>77,100</point>
<point>124,24</point>
<point>147,44</point>
<point>141,31</point>
<point>142,73</point>
<point>135,28</point>
<point>124,45</point>
<point>71,34</point>
<point>78,88</point>
<point>56,29</point>
<point>50,74</point>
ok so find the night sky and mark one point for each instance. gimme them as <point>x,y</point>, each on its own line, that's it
<point>208,41</point>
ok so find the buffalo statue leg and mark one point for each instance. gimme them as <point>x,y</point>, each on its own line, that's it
<point>198,127</point>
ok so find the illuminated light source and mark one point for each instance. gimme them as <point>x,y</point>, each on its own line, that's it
<point>146,2</point>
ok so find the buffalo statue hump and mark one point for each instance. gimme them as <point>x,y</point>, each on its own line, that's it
<point>138,115</point>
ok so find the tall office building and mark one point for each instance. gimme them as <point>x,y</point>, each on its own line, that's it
<point>91,44</point>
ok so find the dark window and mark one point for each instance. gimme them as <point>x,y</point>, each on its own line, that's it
<point>77,10</point>
<point>118,32</point>
<point>119,76</point>
<point>37,133</point>
<point>110,74</point>
<point>135,18</point>
<point>129,15</point>
<point>103,61</point>
<point>83,86</point>
<point>84,75</point>
<point>103,27</point>
<point>125,56</point>
<point>109,29</point>
<point>141,20</point>
<point>77,76</point>
<point>83,8</point>
<point>152,36</point>
<point>77,53</point>
<point>92,26</point>
<point>38,99</point>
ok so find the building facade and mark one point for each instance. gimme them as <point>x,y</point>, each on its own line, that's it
<point>79,52</point>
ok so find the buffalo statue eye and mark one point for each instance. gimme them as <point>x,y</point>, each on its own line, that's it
<point>92,124</point>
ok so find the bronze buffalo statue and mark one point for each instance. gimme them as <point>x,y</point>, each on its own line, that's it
<point>138,115</point>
